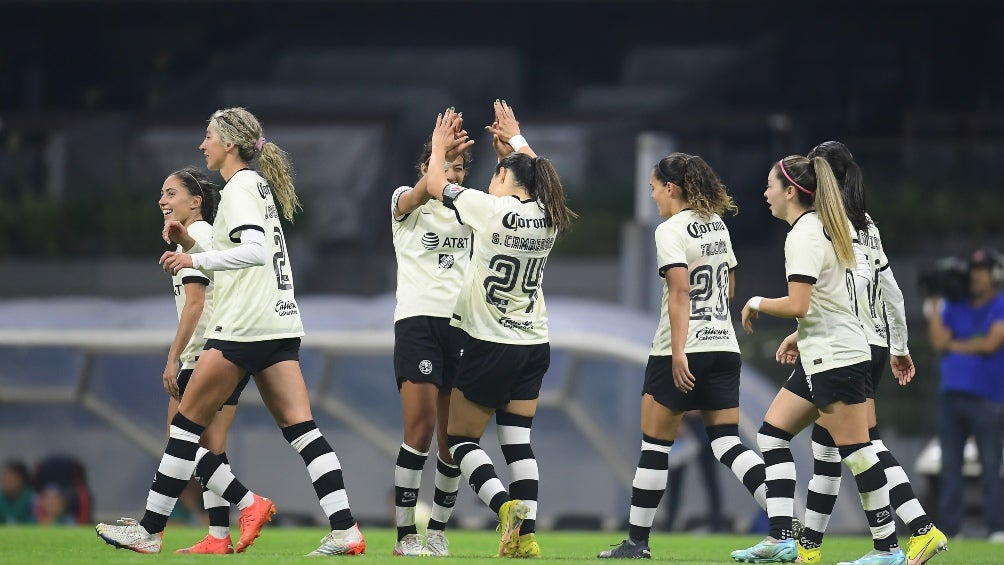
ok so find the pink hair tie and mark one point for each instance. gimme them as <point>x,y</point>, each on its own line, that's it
<point>792,181</point>
<point>259,144</point>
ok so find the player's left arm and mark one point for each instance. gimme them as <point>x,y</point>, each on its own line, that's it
<point>678,303</point>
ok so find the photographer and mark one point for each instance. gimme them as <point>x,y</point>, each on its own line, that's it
<point>969,334</point>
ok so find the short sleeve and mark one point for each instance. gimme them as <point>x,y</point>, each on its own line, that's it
<point>475,208</point>
<point>244,211</point>
<point>670,249</point>
<point>393,203</point>
<point>803,255</point>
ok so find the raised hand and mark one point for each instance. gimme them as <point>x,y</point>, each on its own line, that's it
<point>505,125</point>
<point>444,136</point>
<point>176,232</point>
<point>501,147</point>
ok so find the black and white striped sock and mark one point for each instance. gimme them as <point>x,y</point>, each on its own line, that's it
<point>524,477</point>
<point>823,487</point>
<point>175,470</point>
<point>479,471</point>
<point>447,486</point>
<point>901,495</point>
<point>775,445</point>
<point>648,486</point>
<point>217,477</point>
<point>869,474</point>
<point>325,472</point>
<point>407,480</point>
<point>744,463</point>
<point>217,507</point>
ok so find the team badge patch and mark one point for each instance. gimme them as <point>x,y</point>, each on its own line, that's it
<point>425,367</point>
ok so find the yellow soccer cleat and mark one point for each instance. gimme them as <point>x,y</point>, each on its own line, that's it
<point>923,547</point>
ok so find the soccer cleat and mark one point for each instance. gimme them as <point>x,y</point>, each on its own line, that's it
<point>628,550</point>
<point>528,547</point>
<point>341,542</point>
<point>814,555</point>
<point>923,547</point>
<point>436,543</point>
<point>252,520</point>
<point>411,546</point>
<point>511,517</point>
<point>876,557</point>
<point>769,550</point>
<point>128,534</point>
<point>210,545</point>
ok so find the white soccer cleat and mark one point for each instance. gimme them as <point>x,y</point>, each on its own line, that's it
<point>341,542</point>
<point>411,546</point>
<point>128,534</point>
<point>436,543</point>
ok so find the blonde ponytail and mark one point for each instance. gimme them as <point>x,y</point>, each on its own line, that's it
<point>830,207</point>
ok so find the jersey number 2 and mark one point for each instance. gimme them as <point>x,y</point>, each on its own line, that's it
<point>279,261</point>
<point>509,270</point>
<point>704,280</point>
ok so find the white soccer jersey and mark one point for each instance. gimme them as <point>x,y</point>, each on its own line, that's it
<point>705,249</point>
<point>501,299</point>
<point>433,250</point>
<point>202,232</point>
<point>830,335</point>
<point>870,302</point>
<point>256,303</point>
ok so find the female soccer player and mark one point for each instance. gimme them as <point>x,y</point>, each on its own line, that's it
<point>433,250</point>
<point>694,363</point>
<point>501,309</point>
<point>255,329</point>
<point>879,305</point>
<point>189,197</point>
<point>828,385</point>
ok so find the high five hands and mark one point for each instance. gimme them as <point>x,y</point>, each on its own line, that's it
<point>504,128</point>
<point>450,134</point>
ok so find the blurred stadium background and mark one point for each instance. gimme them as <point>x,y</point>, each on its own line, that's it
<point>99,100</point>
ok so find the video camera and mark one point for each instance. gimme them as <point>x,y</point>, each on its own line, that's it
<point>947,277</point>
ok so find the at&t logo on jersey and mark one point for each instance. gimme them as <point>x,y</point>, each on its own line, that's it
<point>445,261</point>
<point>430,241</point>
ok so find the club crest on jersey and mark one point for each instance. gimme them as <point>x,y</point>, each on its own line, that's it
<point>445,261</point>
<point>430,241</point>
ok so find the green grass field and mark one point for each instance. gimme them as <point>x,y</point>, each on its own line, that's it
<point>72,545</point>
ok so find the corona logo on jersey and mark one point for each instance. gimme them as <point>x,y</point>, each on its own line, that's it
<point>697,229</point>
<point>513,220</point>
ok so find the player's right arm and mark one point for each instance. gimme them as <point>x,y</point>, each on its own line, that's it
<point>188,319</point>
